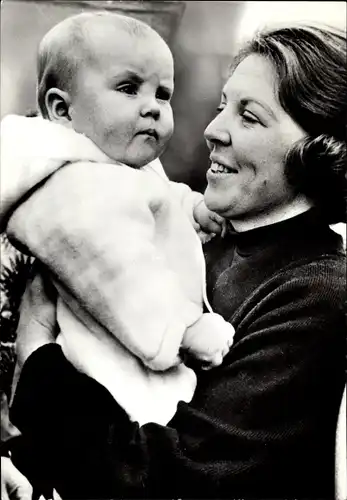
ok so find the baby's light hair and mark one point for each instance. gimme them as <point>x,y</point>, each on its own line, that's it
<point>65,48</point>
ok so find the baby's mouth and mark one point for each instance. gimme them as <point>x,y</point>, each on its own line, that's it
<point>150,132</point>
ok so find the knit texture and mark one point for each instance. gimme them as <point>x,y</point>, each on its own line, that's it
<point>260,426</point>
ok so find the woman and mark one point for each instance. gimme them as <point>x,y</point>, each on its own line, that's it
<point>263,424</point>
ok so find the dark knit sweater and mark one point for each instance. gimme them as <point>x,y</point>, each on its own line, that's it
<point>260,426</point>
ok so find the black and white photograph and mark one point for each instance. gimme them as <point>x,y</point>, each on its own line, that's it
<point>173,187</point>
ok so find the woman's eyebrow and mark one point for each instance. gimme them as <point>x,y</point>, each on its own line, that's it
<point>249,100</point>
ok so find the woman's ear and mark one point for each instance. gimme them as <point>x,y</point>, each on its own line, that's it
<point>58,105</point>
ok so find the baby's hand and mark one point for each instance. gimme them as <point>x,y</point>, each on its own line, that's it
<point>209,339</point>
<point>209,221</point>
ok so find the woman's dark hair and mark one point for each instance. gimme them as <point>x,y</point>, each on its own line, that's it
<point>317,168</point>
<point>311,66</point>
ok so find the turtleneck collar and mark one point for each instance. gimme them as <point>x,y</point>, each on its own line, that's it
<point>302,226</point>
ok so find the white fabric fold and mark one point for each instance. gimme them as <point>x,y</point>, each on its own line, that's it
<point>128,263</point>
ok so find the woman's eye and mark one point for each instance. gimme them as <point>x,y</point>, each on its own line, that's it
<point>249,118</point>
<point>128,88</point>
<point>163,94</point>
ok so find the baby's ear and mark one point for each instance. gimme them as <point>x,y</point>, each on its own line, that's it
<point>57,104</point>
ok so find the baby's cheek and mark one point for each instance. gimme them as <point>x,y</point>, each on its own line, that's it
<point>168,123</point>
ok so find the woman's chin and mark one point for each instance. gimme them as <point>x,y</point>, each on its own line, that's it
<point>213,201</point>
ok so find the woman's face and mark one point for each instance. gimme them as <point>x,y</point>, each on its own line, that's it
<point>248,140</point>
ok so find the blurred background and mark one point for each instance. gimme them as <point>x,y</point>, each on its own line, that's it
<point>203,35</point>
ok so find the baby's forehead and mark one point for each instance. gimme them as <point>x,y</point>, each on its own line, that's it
<point>110,44</point>
<point>90,28</point>
<point>103,42</point>
<point>111,36</point>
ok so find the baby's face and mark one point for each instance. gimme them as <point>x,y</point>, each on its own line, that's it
<point>122,98</point>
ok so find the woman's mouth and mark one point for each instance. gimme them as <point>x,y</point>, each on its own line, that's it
<point>217,169</point>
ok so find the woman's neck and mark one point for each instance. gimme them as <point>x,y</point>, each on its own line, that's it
<point>277,214</point>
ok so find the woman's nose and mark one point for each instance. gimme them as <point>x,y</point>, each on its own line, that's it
<point>217,131</point>
<point>151,108</point>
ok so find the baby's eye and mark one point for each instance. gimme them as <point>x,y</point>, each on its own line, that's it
<point>163,94</point>
<point>128,88</point>
<point>219,109</point>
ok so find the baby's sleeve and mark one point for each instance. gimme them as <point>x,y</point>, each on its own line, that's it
<point>31,150</point>
<point>93,226</point>
<point>22,167</point>
<point>187,198</point>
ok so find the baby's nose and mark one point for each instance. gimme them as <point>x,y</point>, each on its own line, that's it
<point>150,107</point>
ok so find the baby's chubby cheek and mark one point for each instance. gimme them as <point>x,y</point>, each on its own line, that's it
<point>165,128</point>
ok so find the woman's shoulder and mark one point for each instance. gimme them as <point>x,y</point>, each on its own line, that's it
<point>308,295</point>
<point>319,280</point>
<point>330,268</point>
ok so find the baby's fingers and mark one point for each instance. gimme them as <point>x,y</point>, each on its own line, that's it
<point>217,360</point>
<point>216,218</point>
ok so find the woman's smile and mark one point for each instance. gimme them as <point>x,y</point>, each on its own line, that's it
<point>220,167</point>
<point>248,140</point>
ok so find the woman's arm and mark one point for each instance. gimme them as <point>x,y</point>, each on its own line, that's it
<point>261,425</point>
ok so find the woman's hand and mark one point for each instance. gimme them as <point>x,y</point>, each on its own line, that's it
<point>14,486</point>
<point>37,322</point>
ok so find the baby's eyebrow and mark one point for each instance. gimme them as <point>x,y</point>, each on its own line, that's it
<point>134,77</point>
<point>166,88</point>
<point>129,75</point>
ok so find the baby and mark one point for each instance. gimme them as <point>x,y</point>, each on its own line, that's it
<point>125,257</point>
